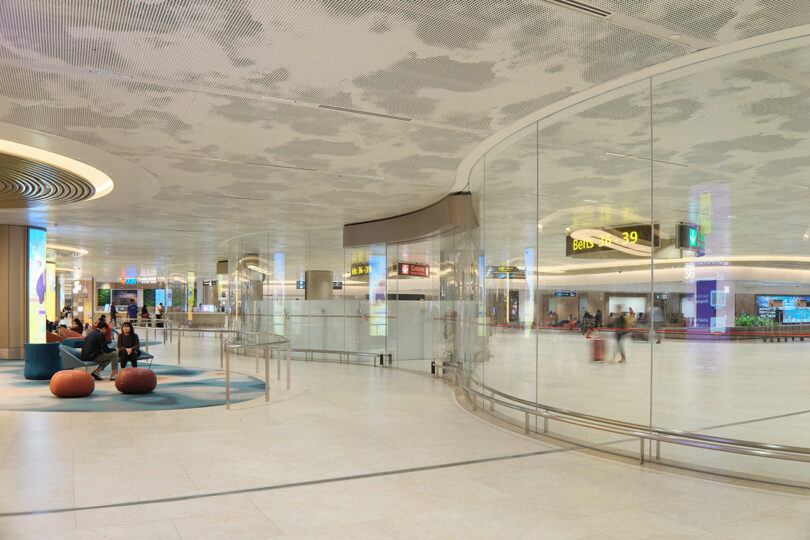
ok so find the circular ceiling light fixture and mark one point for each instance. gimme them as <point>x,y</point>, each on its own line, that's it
<point>32,176</point>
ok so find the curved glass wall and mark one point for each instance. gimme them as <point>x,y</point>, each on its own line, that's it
<point>675,206</point>
<point>670,211</point>
<point>401,300</point>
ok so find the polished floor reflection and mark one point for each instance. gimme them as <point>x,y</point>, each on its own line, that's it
<point>742,389</point>
<point>328,460</point>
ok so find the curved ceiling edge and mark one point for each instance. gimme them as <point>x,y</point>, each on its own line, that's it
<point>452,211</point>
<point>720,53</point>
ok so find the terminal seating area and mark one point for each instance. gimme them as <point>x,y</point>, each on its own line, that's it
<point>43,360</point>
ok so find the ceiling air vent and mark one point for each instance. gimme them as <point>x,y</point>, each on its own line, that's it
<point>582,6</point>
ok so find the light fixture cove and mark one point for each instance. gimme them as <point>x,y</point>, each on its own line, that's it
<point>102,184</point>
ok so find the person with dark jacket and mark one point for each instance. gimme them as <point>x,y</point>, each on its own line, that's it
<point>113,316</point>
<point>95,350</point>
<point>128,345</point>
<point>598,321</point>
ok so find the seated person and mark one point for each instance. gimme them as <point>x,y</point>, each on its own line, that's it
<point>108,331</point>
<point>77,326</point>
<point>95,350</point>
<point>128,345</point>
<point>145,315</point>
<point>65,333</point>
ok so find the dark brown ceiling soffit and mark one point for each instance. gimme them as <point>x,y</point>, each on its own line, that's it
<point>453,211</point>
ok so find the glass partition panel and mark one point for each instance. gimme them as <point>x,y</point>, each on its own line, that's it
<point>732,152</point>
<point>595,243</point>
<point>510,245</point>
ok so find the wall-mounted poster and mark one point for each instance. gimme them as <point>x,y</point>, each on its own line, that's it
<point>37,285</point>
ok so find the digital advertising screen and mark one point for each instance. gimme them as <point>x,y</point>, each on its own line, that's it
<point>121,297</point>
<point>50,291</point>
<point>163,296</point>
<point>377,306</point>
<point>37,285</point>
<point>104,297</point>
<point>784,309</point>
<point>149,297</point>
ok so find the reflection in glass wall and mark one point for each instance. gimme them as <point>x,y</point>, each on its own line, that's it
<point>646,259</point>
<point>641,256</point>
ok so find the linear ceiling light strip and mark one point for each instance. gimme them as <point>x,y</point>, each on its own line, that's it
<point>367,113</point>
<point>582,6</point>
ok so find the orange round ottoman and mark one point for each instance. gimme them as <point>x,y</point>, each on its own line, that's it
<point>135,380</point>
<point>72,383</point>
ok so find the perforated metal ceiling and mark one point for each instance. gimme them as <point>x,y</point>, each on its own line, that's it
<point>222,101</point>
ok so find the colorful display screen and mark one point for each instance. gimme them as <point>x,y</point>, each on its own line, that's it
<point>163,296</point>
<point>37,285</point>
<point>50,291</point>
<point>121,297</point>
<point>784,309</point>
<point>104,296</point>
<point>377,312</point>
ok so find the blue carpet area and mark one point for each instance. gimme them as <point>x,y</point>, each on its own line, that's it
<point>178,387</point>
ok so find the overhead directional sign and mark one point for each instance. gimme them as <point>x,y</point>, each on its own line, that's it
<point>624,240</point>
<point>413,269</point>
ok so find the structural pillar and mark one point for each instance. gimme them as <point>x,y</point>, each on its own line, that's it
<point>23,283</point>
<point>319,285</point>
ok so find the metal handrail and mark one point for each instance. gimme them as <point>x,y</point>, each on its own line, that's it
<point>651,433</point>
<point>276,341</point>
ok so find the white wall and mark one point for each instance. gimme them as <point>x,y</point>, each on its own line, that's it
<point>638,303</point>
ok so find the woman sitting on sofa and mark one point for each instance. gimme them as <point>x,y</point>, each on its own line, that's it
<point>77,326</point>
<point>128,345</point>
<point>65,333</point>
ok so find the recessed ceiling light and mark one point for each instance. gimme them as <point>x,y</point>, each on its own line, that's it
<point>110,74</point>
<point>616,154</point>
<point>731,217</point>
<point>803,187</point>
<point>590,200</point>
<point>675,36</point>
<point>214,159</point>
<point>283,100</point>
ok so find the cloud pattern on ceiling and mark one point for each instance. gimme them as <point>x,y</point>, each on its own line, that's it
<point>460,70</point>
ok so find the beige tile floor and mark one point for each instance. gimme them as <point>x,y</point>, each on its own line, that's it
<point>341,421</point>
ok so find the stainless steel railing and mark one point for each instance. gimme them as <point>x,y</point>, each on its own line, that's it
<point>642,432</point>
<point>261,341</point>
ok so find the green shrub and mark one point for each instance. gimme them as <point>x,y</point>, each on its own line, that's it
<point>748,320</point>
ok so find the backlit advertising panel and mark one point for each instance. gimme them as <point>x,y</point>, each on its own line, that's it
<point>37,285</point>
<point>50,291</point>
